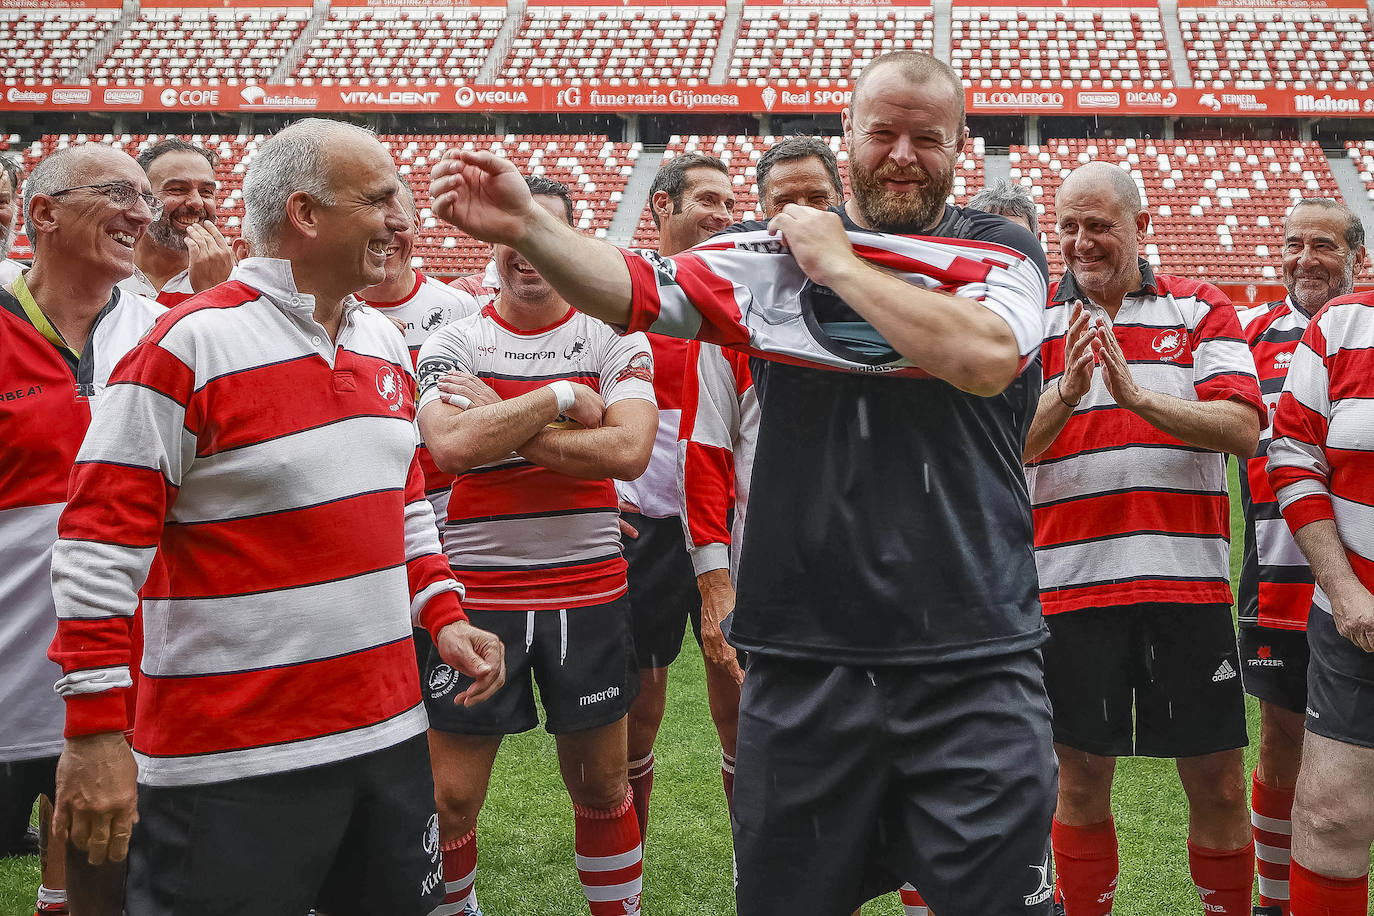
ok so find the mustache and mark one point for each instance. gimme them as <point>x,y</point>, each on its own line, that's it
<point>888,171</point>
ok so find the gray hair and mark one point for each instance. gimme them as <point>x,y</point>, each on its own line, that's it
<point>1007,198</point>
<point>1354,229</point>
<point>58,171</point>
<point>10,165</point>
<point>293,161</point>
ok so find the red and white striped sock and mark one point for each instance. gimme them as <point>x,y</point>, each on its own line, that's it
<point>1223,878</point>
<point>912,904</point>
<point>51,902</point>
<point>1320,895</point>
<point>641,785</point>
<point>727,776</point>
<point>609,858</point>
<point>460,875</point>
<point>1272,819</point>
<point>1085,866</point>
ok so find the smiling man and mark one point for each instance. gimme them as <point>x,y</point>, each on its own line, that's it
<point>10,219</point>
<point>1323,252</point>
<point>1127,472</point>
<point>261,441</point>
<point>893,723</point>
<point>183,252</point>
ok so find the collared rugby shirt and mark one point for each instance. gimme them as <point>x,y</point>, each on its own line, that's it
<point>1275,581</point>
<point>47,396</point>
<point>1124,512</point>
<point>889,495</point>
<point>274,472</point>
<point>1321,460</point>
<point>177,290</point>
<point>525,537</point>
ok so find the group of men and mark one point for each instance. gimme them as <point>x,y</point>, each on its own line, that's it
<point>306,571</point>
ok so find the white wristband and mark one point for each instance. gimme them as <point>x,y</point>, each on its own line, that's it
<point>563,390</point>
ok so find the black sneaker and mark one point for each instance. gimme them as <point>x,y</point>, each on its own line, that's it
<point>26,844</point>
<point>1268,911</point>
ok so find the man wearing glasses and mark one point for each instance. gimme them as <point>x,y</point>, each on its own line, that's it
<point>63,327</point>
<point>182,253</point>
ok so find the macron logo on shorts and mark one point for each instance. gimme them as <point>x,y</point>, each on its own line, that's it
<point>1224,673</point>
<point>608,694</point>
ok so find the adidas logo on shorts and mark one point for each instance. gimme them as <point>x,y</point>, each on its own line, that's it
<point>1224,673</point>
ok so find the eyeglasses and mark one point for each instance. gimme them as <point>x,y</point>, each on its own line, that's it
<point>121,195</point>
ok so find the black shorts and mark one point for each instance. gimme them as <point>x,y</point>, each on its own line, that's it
<point>21,782</point>
<point>1171,670</point>
<point>663,589</point>
<point>583,659</point>
<point>1340,684</point>
<point>850,782</point>
<point>1273,664</point>
<point>354,838</point>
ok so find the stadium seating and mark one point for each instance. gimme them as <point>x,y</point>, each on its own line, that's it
<point>1278,48</point>
<point>822,46</point>
<point>202,47</point>
<point>45,47</point>
<point>1216,207</point>
<point>742,154</point>
<point>594,168</point>
<point>362,46</point>
<point>587,45</point>
<point>1060,48</point>
<point>1361,152</point>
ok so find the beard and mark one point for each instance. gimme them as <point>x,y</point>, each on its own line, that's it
<point>907,212</point>
<point>165,235</point>
<point>6,241</point>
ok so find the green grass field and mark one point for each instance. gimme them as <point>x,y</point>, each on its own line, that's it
<point>525,835</point>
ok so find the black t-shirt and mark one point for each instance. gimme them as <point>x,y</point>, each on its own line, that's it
<point>889,520</point>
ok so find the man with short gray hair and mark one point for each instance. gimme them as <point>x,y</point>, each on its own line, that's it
<point>1006,198</point>
<point>261,441</point>
<point>10,176</point>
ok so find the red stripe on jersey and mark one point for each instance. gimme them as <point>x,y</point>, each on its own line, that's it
<point>435,479</point>
<point>509,387</point>
<point>713,296</point>
<point>1105,428</point>
<point>357,385</point>
<point>338,540</point>
<point>1108,594</point>
<point>1112,514</point>
<point>525,490</point>
<point>1350,374</point>
<point>132,508</point>
<point>563,586</point>
<point>170,299</point>
<point>670,366</point>
<point>212,713</point>
<point>1363,568</point>
<point>709,478</point>
<point>1257,476</point>
<point>1294,420</point>
<point>1284,605</point>
<point>227,295</point>
<point>153,367</point>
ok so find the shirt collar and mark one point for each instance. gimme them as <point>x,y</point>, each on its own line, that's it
<point>1068,290</point>
<point>274,278</point>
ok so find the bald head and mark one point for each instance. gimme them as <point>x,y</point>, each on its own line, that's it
<point>917,68</point>
<point>1104,177</point>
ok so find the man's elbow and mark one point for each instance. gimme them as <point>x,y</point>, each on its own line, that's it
<point>633,462</point>
<point>451,457</point>
<point>989,373</point>
<point>1245,438</point>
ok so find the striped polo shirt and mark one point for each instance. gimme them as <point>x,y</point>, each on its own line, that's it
<point>1321,462</point>
<point>1125,513</point>
<point>274,472</point>
<point>524,537</point>
<point>1275,581</point>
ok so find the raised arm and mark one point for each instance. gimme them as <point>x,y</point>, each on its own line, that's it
<point>484,195</point>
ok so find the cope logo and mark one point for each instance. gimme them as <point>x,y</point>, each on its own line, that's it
<point>1169,344</point>
<point>199,98</point>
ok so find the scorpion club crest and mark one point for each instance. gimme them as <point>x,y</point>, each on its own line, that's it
<point>1170,344</point>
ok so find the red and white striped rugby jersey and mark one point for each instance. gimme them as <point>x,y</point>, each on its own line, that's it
<point>523,537</point>
<point>274,473</point>
<point>1123,512</point>
<point>1321,461</point>
<point>655,491</point>
<point>177,290</point>
<point>46,400</point>
<point>425,309</point>
<point>720,428</point>
<point>1276,583</point>
<point>744,290</point>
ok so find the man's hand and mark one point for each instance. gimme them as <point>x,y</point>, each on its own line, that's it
<point>588,407</point>
<point>476,653</point>
<point>1353,609</point>
<point>97,796</point>
<point>211,257</point>
<point>1078,356</point>
<point>717,601</point>
<point>455,388</point>
<point>1116,372</point>
<point>630,531</point>
<point>483,195</point>
<point>818,242</point>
